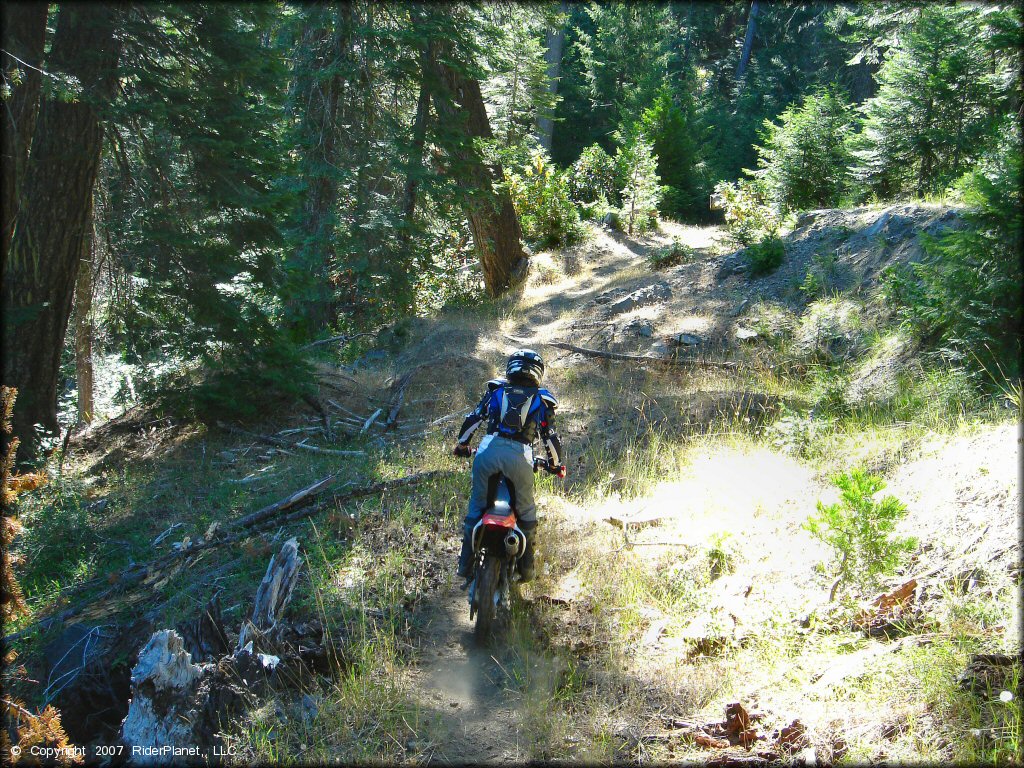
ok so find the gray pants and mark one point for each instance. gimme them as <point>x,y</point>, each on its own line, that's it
<point>512,459</point>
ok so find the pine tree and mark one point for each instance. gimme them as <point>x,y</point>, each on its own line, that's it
<point>641,188</point>
<point>804,161</point>
<point>931,117</point>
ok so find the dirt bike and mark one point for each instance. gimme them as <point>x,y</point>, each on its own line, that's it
<point>498,543</point>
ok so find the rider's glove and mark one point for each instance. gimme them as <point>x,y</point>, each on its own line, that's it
<point>462,450</point>
<point>558,471</point>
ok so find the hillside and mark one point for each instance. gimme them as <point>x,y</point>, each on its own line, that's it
<point>676,575</point>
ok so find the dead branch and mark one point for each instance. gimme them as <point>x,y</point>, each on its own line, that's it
<point>298,498</point>
<point>399,397</point>
<point>343,338</point>
<point>369,422</point>
<point>331,451</point>
<point>640,358</point>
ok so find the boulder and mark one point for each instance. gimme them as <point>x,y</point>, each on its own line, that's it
<point>651,294</point>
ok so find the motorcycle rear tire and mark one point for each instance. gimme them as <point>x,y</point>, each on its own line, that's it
<point>486,610</point>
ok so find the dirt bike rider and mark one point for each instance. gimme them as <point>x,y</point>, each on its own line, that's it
<point>517,411</point>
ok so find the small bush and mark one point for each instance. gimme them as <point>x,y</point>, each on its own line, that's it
<point>859,531</point>
<point>592,177</point>
<point>748,217</point>
<point>541,198</point>
<point>671,255</point>
<point>766,256</point>
<point>821,276</point>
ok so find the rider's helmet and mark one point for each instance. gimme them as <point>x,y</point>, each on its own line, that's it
<point>525,363</point>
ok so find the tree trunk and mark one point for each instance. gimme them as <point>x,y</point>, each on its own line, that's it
<point>84,332</point>
<point>318,96</point>
<point>748,41</point>
<point>492,218</point>
<point>46,245</point>
<point>24,31</point>
<point>415,167</point>
<point>553,56</point>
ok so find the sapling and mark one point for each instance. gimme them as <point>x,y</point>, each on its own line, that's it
<point>859,531</point>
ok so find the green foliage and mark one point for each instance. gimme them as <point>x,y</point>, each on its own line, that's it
<point>859,531</point>
<point>541,198</point>
<point>796,433</point>
<point>673,133</point>
<point>637,168</point>
<point>748,216</point>
<point>821,275</point>
<point>671,255</point>
<point>593,177</point>
<point>242,383</point>
<point>966,294</point>
<point>804,160</point>
<point>766,256</point>
<point>518,84</point>
<point>933,113</point>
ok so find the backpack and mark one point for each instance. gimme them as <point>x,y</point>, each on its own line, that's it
<point>513,407</point>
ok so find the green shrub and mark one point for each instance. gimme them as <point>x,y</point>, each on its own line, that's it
<point>541,198</point>
<point>766,256</point>
<point>671,255</point>
<point>637,168</point>
<point>821,276</point>
<point>748,217</point>
<point>240,384</point>
<point>859,531</point>
<point>964,297</point>
<point>593,178</point>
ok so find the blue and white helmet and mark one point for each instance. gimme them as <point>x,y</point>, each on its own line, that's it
<point>525,363</point>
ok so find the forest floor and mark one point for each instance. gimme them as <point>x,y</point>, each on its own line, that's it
<point>676,579</point>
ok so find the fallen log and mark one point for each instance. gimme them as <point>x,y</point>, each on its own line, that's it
<point>268,517</point>
<point>369,422</point>
<point>329,451</point>
<point>640,358</point>
<point>297,498</point>
<point>399,397</point>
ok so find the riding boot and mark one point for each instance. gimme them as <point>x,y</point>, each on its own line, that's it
<point>525,563</point>
<point>466,555</point>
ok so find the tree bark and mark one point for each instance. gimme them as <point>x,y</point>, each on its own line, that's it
<point>24,32</point>
<point>748,41</point>
<point>318,97</point>
<point>46,244</point>
<point>84,332</point>
<point>553,56</point>
<point>492,218</point>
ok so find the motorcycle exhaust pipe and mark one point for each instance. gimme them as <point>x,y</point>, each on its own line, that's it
<point>511,544</point>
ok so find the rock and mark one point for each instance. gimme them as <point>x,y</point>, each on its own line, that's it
<point>745,334</point>
<point>988,672</point>
<point>652,294</point>
<point>643,328</point>
<point>687,340</point>
<point>660,349</point>
<point>310,707</point>
<point>739,310</point>
<point>736,264</point>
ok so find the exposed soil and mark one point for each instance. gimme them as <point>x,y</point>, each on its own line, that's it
<point>466,685</point>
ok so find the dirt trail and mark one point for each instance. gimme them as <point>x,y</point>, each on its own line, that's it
<point>465,686</point>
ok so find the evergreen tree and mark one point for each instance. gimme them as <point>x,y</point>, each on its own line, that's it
<point>931,117</point>
<point>674,133</point>
<point>641,188</point>
<point>804,161</point>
